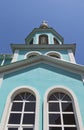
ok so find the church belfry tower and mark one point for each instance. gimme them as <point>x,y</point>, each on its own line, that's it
<point>41,85</point>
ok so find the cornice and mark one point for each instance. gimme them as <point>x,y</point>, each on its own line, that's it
<point>43,47</point>
<point>75,68</point>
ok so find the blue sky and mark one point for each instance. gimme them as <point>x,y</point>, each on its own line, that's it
<point>19,17</point>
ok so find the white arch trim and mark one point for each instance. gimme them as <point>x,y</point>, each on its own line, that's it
<point>11,96</point>
<point>32,52</point>
<point>74,101</point>
<point>54,52</point>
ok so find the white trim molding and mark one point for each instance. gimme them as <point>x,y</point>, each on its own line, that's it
<point>3,61</point>
<point>82,75</point>
<point>11,97</point>
<point>74,102</point>
<point>54,52</point>
<point>71,56</point>
<point>15,56</point>
<point>32,52</point>
<point>1,79</point>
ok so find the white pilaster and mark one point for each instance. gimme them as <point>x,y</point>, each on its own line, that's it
<point>82,77</point>
<point>15,57</point>
<point>3,61</point>
<point>71,56</point>
<point>1,79</point>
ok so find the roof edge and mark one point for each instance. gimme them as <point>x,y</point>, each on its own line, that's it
<point>75,68</point>
<point>35,46</point>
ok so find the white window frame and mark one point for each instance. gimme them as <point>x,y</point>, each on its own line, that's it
<point>8,103</point>
<point>32,53</point>
<point>74,103</point>
<point>54,52</point>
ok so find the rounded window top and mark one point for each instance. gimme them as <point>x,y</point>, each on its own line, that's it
<point>56,41</point>
<point>56,96</point>
<point>54,55</point>
<point>43,39</point>
<point>27,96</point>
<point>33,54</point>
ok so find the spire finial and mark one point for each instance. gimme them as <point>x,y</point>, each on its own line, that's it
<point>44,24</point>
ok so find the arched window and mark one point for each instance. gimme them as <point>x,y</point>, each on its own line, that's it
<point>31,41</point>
<point>54,55</point>
<point>33,54</point>
<point>56,41</point>
<point>60,112</point>
<point>22,112</point>
<point>43,39</point>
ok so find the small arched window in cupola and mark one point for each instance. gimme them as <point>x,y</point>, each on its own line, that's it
<point>43,39</point>
<point>55,41</point>
<point>31,41</point>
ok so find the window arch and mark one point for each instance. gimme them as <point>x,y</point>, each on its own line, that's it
<point>55,41</point>
<point>54,54</point>
<point>31,41</point>
<point>61,110</point>
<point>22,110</point>
<point>43,39</point>
<point>32,54</point>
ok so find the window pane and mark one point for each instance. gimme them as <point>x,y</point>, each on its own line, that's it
<point>67,107</point>
<point>12,128</point>
<point>56,42</point>
<point>54,107</point>
<point>31,98</point>
<point>17,106</point>
<point>27,128</point>
<point>43,39</point>
<point>14,119</point>
<point>32,55</point>
<point>68,119</point>
<point>52,98</point>
<point>18,98</point>
<point>25,96</point>
<point>30,106</point>
<point>66,98</point>
<point>55,128</point>
<point>70,128</point>
<point>54,119</point>
<point>54,55</point>
<point>28,118</point>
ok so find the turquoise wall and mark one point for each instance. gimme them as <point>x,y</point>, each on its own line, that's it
<point>41,77</point>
